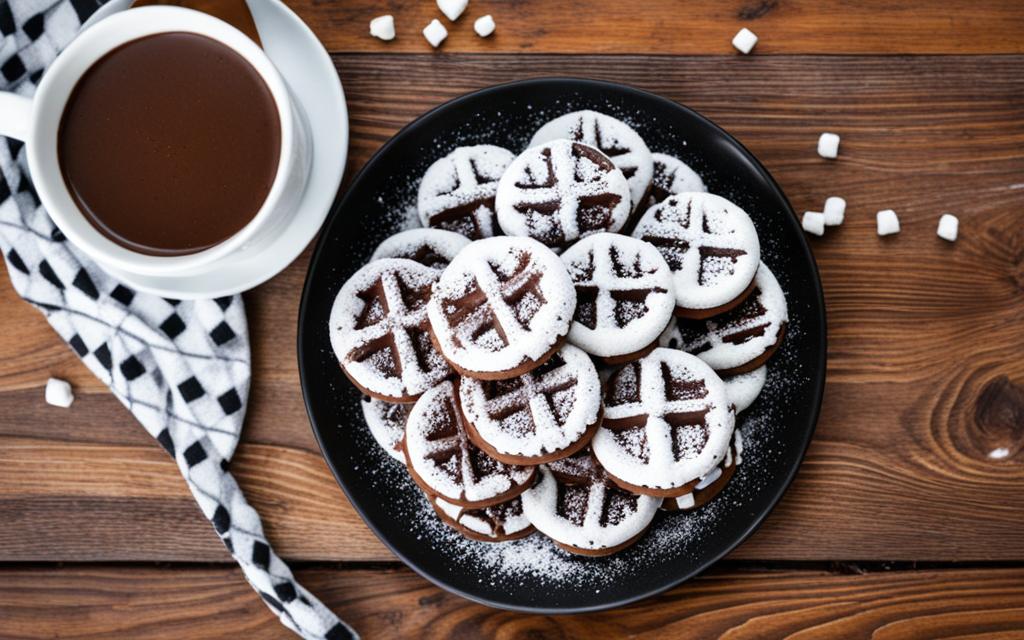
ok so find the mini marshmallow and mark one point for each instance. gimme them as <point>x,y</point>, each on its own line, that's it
<point>828,145</point>
<point>835,211</point>
<point>383,27</point>
<point>888,223</point>
<point>814,222</point>
<point>58,393</point>
<point>484,26</point>
<point>435,33</point>
<point>452,9</point>
<point>949,225</point>
<point>744,40</point>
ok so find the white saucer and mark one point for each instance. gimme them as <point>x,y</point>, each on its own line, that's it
<point>311,75</point>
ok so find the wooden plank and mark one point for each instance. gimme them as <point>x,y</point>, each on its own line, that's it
<point>925,378</point>
<point>669,27</point>
<point>200,603</point>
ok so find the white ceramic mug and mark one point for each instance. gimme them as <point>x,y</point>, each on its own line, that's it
<point>36,121</point>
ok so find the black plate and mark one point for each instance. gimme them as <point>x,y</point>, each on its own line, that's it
<point>777,428</point>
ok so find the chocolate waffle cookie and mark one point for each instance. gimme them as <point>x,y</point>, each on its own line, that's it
<point>539,416</point>
<point>501,308</point>
<point>610,136</point>
<point>457,191</point>
<point>446,464</point>
<point>624,296</point>
<point>667,423</point>
<point>581,510</point>
<point>386,421</point>
<point>497,523</point>
<point>744,338</point>
<point>434,248</point>
<point>379,330</point>
<point>561,191</point>
<point>672,177</point>
<point>710,485</point>
<point>711,246</point>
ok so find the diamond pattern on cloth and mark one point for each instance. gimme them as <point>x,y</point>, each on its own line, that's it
<point>181,367</point>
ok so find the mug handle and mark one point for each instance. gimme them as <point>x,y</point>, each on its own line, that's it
<point>15,115</point>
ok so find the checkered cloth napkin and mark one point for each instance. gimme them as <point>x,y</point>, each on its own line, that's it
<point>181,367</point>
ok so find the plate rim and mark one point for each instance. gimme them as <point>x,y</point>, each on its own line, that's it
<point>816,399</point>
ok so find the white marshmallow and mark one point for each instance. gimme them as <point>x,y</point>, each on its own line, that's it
<point>58,393</point>
<point>835,211</point>
<point>452,9</point>
<point>484,26</point>
<point>949,225</point>
<point>888,223</point>
<point>828,145</point>
<point>383,27</point>
<point>744,40</point>
<point>435,33</point>
<point>814,222</point>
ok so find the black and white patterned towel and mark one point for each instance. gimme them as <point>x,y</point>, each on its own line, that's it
<point>181,367</point>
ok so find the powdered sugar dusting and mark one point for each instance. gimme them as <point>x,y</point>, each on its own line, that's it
<point>457,191</point>
<point>433,248</point>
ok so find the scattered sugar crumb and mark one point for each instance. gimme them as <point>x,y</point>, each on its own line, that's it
<point>949,226</point>
<point>58,393</point>
<point>1000,453</point>
<point>744,40</point>
<point>452,9</point>
<point>888,223</point>
<point>835,211</point>
<point>828,145</point>
<point>383,27</point>
<point>814,222</point>
<point>435,33</point>
<point>484,26</point>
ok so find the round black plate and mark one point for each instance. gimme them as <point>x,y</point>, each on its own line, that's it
<point>532,575</point>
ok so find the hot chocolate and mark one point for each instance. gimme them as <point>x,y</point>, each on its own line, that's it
<point>170,143</point>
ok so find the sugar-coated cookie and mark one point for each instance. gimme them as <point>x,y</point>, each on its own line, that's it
<point>434,248</point>
<point>624,296</point>
<point>386,421</point>
<point>612,137</point>
<point>711,246</point>
<point>539,416</point>
<point>561,191</point>
<point>672,176</point>
<point>582,511</point>
<point>667,423</point>
<point>496,523</point>
<point>501,308</point>
<point>379,330</point>
<point>711,484</point>
<point>744,338</point>
<point>443,461</point>
<point>457,191</point>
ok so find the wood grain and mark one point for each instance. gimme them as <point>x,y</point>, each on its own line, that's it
<point>199,603</point>
<point>925,373</point>
<point>664,27</point>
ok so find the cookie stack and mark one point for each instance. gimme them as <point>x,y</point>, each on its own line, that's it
<point>565,345</point>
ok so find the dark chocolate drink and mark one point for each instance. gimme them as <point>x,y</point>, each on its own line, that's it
<point>169,144</point>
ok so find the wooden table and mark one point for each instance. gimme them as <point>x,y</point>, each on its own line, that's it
<point>902,522</point>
